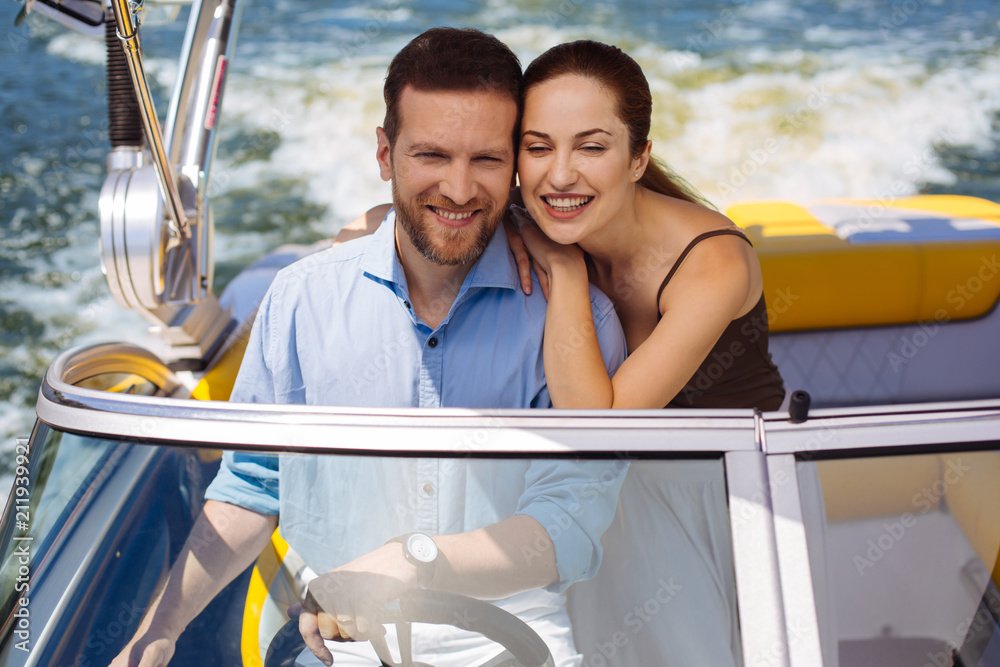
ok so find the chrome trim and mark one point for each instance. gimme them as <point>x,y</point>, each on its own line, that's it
<point>794,565</point>
<point>208,44</point>
<point>405,431</point>
<point>118,358</point>
<point>111,205</point>
<point>755,560</point>
<point>129,37</point>
<point>937,426</point>
<point>760,436</point>
<point>886,409</point>
<point>142,247</point>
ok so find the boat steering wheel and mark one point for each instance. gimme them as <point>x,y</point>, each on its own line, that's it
<point>523,647</point>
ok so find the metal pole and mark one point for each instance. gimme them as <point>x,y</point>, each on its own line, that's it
<point>129,37</point>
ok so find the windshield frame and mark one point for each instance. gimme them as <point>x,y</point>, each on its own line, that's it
<point>325,429</point>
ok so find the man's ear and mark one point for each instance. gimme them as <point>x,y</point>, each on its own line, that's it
<point>383,154</point>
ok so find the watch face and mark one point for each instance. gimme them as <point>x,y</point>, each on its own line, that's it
<point>422,547</point>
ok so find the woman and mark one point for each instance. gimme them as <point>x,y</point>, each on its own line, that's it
<point>688,290</point>
<point>685,281</point>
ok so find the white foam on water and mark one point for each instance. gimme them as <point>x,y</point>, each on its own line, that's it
<point>841,126</point>
<point>824,34</point>
<point>765,10</point>
<point>327,127</point>
<point>85,50</point>
<point>78,48</point>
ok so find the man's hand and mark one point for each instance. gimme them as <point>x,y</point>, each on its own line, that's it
<point>343,604</point>
<point>145,650</point>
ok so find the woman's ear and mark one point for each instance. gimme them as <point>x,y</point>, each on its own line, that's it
<point>639,164</point>
<point>383,154</point>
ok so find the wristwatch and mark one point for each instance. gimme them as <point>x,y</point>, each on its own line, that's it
<point>420,550</point>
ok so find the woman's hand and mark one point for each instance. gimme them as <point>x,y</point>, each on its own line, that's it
<point>532,248</point>
<point>521,256</point>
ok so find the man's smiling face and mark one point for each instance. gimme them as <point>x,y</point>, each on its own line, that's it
<point>451,168</point>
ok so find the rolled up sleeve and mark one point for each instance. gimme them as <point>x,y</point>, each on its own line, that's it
<point>574,501</point>
<point>248,479</point>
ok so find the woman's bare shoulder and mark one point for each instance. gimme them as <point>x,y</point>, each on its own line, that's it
<point>680,222</point>
<point>688,218</point>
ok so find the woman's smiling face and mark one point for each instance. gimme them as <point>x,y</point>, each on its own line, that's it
<point>574,166</point>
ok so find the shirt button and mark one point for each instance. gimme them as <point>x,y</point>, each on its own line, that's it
<point>433,342</point>
<point>407,304</point>
<point>429,489</point>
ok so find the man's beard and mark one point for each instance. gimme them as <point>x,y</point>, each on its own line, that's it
<point>456,246</point>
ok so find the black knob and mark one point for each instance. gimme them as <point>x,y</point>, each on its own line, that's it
<point>798,407</point>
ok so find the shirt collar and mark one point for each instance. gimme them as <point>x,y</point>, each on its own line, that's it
<point>495,268</point>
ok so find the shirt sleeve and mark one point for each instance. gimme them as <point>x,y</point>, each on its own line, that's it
<point>248,479</point>
<point>575,502</point>
<point>610,336</point>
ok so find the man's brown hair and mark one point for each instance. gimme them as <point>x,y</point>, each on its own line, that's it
<point>451,59</point>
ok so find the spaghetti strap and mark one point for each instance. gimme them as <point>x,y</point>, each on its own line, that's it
<point>695,241</point>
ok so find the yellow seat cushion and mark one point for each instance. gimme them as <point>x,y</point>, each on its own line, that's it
<point>856,263</point>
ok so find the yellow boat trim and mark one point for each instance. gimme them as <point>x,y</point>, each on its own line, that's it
<point>264,571</point>
<point>217,383</point>
<point>814,279</point>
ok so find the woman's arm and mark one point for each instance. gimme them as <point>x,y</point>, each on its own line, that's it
<point>701,301</point>
<point>363,225</point>
<point>574,367</point>
<point>710,290</point>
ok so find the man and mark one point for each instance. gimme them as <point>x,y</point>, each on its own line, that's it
<point>435,294</point>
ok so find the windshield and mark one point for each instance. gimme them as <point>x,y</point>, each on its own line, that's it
<point>909,551</point>
<point>643,560</point>
<point>49,486</point>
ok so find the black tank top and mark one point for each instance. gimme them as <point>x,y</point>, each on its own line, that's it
<point>738,372</point>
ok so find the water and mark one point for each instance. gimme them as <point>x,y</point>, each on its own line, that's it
<point>854,99</point>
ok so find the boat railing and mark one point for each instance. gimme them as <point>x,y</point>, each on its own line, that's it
<point>63,404</point>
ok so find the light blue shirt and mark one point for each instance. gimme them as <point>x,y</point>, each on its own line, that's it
<point>337,328</point>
